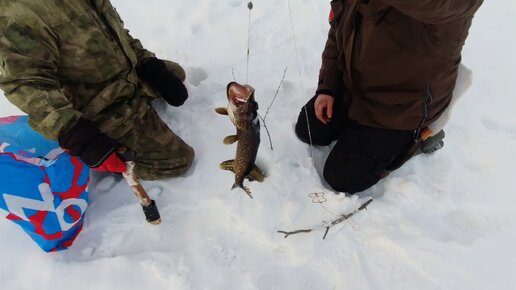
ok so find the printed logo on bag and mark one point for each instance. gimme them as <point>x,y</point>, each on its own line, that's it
<point>42,188</point>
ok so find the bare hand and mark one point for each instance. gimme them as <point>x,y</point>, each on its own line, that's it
<point>324,108</point>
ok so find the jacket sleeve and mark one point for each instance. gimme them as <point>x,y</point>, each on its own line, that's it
<point>329,74</point>
<point>29,57</point>
<point>142,54</point>
<point>436,11</point>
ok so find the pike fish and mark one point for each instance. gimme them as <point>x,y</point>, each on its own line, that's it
<point>242,110</point>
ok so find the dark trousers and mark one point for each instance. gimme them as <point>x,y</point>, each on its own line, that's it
<point>362,154</point>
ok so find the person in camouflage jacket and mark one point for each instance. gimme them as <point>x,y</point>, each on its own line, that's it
<point>84,81</point>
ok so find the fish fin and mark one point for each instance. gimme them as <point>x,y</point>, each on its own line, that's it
<point>247,190</point>
<point>222,111</point>
<point>228,165</point>
<point>256,174</point>
<point>230,139</point>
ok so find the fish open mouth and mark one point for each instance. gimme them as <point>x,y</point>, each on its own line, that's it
<point>239,94</point>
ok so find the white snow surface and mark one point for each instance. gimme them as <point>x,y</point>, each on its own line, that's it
<point>442,221</point>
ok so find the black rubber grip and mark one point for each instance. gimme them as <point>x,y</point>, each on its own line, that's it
<point>151,212</point>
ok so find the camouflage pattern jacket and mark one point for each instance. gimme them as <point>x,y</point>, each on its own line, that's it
<point>65,60</point>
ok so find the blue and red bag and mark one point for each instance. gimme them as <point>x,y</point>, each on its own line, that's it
<point>42,188</point>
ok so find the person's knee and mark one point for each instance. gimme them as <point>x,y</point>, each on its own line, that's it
<point>341,184</point>
<point>175,164</point>
<point>311,131</point>
<point>302,128</point>
<point>182,161</point>
<point>189,157</point>
<point>348,179</point>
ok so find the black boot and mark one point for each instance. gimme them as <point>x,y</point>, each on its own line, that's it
<point>433,143</point>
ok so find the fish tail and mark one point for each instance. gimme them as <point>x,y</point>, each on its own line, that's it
<point>247,190</point>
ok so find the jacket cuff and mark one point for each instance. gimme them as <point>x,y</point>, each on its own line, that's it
<point>326,92</point>
<point>329,83</point>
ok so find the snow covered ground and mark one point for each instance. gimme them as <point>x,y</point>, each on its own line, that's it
<point>445,221</point>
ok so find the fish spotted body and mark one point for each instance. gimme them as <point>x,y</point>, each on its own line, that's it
<point>242,110</point>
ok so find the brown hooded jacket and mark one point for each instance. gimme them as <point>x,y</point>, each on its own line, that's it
<point>395,61</point>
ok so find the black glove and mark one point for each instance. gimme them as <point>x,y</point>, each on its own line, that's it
<point>154,72</point>
<point>85,141</point>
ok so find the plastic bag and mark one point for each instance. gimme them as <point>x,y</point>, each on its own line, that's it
<point>42,188</point>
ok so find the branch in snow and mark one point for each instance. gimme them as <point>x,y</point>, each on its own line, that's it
<point>337,221</point>
<point>294,232</point>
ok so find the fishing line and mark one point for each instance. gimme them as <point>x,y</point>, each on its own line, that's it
<point>318,197</point>
<point>294,35</point>
<point>301,79</point>
<point>250,7</point>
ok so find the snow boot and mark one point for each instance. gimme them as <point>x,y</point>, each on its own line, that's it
<point>426,146</point>
<point>432,144</point>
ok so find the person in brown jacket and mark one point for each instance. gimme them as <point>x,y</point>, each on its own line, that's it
<point>388,71</point>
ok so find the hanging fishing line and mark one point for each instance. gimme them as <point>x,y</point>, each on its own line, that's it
<point>298,59</point>
<point>250,7</point>
<point>317,197</point>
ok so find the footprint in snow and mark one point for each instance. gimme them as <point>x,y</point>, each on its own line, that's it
<point>106,184</point>
<point>501,127</point>
<point>155,191</point>
<point>196,75</point>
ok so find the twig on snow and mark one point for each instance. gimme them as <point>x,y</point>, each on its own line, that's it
<point>337,221</point>
<point>294,232</point>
